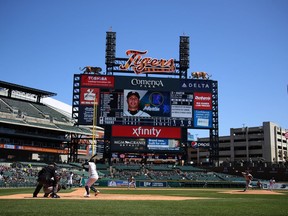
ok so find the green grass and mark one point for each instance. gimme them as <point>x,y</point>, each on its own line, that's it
<point>222,204</point>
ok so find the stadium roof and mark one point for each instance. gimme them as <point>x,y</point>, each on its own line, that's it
<point>54,127</point>
<point>60,107</point>
<point>12,86</point>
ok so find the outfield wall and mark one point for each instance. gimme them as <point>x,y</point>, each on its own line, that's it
<point>170,183</point>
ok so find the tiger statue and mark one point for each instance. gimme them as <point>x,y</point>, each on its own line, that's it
<point>201,74</point>
<point>91,70</point>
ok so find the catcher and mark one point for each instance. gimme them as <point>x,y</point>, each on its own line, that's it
<point>48,189</point>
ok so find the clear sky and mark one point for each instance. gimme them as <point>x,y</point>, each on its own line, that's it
<point>243,44</point>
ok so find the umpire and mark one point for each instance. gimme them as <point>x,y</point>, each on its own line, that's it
<point>48,176</point>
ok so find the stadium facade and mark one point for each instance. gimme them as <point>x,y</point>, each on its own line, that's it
<point>33,131</point>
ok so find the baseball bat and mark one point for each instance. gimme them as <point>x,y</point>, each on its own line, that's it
<point>93,157</point>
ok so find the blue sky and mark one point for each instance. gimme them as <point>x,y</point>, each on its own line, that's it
<point>242,43</point>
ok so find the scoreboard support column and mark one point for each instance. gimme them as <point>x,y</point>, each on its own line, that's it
<point>107,143</point>
<point>184,144</point>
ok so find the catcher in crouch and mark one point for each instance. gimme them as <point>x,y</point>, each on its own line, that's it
<point>48,189</point>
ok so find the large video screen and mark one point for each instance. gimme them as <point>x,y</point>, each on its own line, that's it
<point>146,103</point>
<point>135,138</point>
<point>120,100</point>
<point>145,145</point>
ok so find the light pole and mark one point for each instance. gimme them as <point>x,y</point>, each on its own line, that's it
<point>198,151</point>
<point>94,125</point>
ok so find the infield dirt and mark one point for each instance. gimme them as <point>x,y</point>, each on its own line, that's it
<point>79,194</point>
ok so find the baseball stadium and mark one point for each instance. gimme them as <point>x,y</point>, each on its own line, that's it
<point>134,121</point>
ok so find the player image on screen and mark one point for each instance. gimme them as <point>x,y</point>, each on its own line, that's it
<point>153,103</point>
<point>133,105</point>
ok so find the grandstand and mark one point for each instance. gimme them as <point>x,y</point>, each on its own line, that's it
<point>24,174</point>
<point>32,131</point>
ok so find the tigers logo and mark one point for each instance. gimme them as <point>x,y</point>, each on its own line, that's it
<point>147,65</point>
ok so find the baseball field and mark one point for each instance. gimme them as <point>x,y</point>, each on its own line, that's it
<point>146,201</point>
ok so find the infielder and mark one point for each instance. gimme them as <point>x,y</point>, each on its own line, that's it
<point>131,182</point>
<point>70,180</point>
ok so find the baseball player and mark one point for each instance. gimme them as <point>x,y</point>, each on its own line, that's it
<point>248,178</point>
<point>48,189</point>
<point>48,176</point>
<point>133,103</point>
<point>70,180</point>
<point>131,182</point>
<point>90,166</point>
<point>271,183</point>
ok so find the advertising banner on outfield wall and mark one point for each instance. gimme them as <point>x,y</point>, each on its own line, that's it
<point>152,184</point>
<point>117,183</point>
<point>276,186</point>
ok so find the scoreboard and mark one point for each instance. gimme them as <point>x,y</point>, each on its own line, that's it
<point>146,111</point>
<point>174,109</point>
<point>166,101</point>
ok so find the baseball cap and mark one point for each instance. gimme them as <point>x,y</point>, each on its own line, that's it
<point>133,93</point>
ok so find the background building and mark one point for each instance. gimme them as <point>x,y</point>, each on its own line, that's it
<point>262,144</point>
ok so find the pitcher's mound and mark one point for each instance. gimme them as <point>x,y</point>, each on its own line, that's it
<point>252,192</point>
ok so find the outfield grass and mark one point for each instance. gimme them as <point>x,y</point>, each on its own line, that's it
<point>222,204</point>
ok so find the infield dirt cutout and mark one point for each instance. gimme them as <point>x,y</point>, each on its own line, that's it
<point>79,194</point>
<point>268,192</point>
